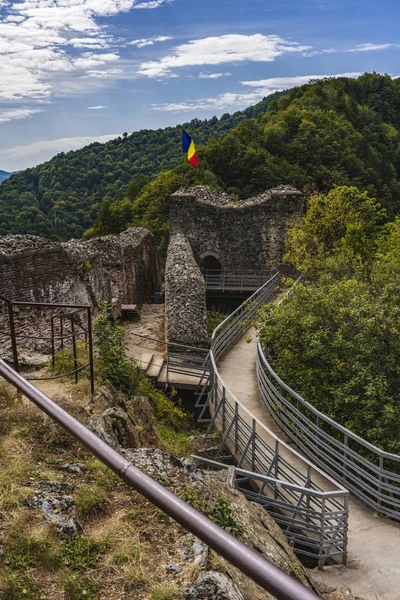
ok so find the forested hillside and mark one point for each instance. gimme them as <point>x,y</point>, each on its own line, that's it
<point>332,132</point>
<point>60,198</point>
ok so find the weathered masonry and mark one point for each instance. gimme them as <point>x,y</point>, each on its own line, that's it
<point>246,235</point>
<point>121,269</point>
<point>227,241</point>
<point>124,267</point>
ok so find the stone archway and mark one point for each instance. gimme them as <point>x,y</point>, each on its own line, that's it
<point>210,262</point>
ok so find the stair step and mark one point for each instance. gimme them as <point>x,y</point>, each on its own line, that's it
<point>155,368</point>
<point>145,360</point>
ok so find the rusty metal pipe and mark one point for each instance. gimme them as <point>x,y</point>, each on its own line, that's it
<point>267,575</point>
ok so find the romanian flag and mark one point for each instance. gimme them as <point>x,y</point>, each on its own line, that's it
<point>188,146</point>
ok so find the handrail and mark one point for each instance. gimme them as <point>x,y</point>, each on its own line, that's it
<point>302,422</point>
<point>246,436</point>
<point>267,575</point>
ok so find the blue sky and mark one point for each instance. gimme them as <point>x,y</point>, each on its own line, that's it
<point>75,71</point>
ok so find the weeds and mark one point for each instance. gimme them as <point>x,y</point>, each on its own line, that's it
<point>81,554</point>
<point>80,588</point>
<point>223,516</point>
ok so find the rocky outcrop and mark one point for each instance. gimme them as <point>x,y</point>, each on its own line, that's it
<point>213,586</point>
<point>120,422</point>
<point>217,579</point>
<point>186,315</point>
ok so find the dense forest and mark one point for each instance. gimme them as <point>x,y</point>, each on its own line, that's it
<point>331,132</point>
<point>336,339</point>
<point>60,198</point>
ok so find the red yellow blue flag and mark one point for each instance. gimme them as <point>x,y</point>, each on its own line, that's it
<point>189,147</point>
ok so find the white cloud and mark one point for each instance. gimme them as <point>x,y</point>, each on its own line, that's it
<point>141,43</point>
<point>231,48</point>
<point>360,48</point>
<point>20,157</point>
<point>152,4</point>
<point>36,37</point>
<point>96,107</point>
<point>229,100</point>
<point>213,75</point>
<point>17,113</point>
<point>372,47</point>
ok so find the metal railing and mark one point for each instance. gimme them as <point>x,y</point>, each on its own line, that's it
<point>267,575</point>
<point>238,282</point>
<point>288,485</point>
<point>370,473</point>
<point>65,331</point>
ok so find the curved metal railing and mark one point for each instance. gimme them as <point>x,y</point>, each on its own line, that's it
<point>370,473</point>
<point>309,505</point>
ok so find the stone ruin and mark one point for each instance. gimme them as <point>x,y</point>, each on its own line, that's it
<point>211,230</point>
<point>122,269</point>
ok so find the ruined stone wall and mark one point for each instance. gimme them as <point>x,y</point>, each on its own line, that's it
<point>123,269</point>
<point>130,261</point>
<point>34,269</point>
<point>185,299</point>
<point>244,235</point>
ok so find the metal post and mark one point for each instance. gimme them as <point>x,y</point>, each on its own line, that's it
<point>380,481</point>
<point>52,342</point>
<point>12,334</point>
<point>62,332</point>
<point>223,409</point>
<point>253,447</point>
<point>74,348</point>
<point>236,427</point>
<point>90,340</point>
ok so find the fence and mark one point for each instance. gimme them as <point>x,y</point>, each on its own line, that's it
<point>65,330</point>
<point>238,282</point>
<point>370,473</point>
<point>314,519</point>
<point>267,575</point>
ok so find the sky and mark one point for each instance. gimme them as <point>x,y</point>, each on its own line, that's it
<point>77,71</point>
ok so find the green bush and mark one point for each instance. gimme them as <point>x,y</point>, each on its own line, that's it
<point>111,340</point>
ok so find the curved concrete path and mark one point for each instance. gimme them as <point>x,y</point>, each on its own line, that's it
<point>373,565</point>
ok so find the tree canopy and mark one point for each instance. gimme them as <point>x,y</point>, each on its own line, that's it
<point>336,339</point>
<point>60,199</point>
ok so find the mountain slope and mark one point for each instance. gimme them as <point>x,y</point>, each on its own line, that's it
<point>60,198</point>
<point>331,132</point>
<point>4,175</point>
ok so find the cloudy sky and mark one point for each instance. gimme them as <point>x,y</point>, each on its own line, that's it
<point>74,71</point>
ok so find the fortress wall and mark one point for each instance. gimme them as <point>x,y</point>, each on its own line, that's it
<point>123,269</point>
<point>246,235</point>
<point>34,269</point>
<point>185,298</point>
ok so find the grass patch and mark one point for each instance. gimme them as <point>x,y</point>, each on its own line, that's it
<point>102,475</point>
<point>177,443</point>
<point>91,500</point>
<point>22,552</point>
<point>164,592</point>
<point>77,587</point>
<point>16,586</point>
<point>81,554</point>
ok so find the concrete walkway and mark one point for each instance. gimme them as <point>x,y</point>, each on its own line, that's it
<point>373,566</point>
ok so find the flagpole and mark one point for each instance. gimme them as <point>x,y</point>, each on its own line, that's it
<point>183,164</point>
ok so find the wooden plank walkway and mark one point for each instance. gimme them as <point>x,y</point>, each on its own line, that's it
<point>373,568</point>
